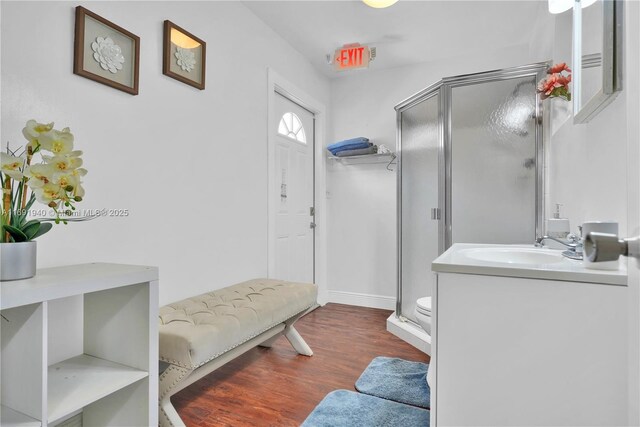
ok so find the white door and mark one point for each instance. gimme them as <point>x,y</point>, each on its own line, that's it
<point>293,176</point>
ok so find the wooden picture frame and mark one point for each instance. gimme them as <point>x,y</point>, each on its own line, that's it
<point>184,56</point>
<point>105,52</point>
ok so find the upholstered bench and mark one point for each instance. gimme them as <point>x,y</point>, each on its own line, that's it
<point>200,334</point>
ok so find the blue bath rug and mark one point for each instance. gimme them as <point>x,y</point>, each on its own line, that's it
<point>398,380</point>
<point>344,408</point>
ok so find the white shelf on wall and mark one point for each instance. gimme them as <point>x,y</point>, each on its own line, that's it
<point>112,378</point>
<point>60,282</point>
<point>11,418</point>
<point>366,159</point>
<point>81,380</point>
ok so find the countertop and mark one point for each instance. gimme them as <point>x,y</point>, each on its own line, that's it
<point>457,260</point>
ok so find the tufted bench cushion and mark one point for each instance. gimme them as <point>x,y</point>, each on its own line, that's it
<point>196,330</point>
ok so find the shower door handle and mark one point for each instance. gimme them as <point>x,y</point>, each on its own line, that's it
<point>435,214</point>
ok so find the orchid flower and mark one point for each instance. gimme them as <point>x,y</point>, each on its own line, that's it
<point>57,142</point>
<point>10,165</point>
<point>56,181</point>
<point>49,193</point>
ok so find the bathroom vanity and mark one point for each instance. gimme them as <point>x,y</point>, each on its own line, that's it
<point>524,336</point>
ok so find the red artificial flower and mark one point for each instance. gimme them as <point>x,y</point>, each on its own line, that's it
<point>555,85</point>
<point>564,81</point>
<point>546,86</point>
<point>558,68</point>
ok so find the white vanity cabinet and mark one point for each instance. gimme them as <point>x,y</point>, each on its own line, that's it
<point>108,329</point>
<point>512,350</point>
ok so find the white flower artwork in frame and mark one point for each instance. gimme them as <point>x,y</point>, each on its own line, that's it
<point>184,56</point>
<point>105,52</point>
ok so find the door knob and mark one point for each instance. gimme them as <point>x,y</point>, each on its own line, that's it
<point>601,247</point>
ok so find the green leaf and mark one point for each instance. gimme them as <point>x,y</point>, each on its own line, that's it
<point>28,223</point>
<point>23,217</point>
<point>44,227</point>
<point>16,203</point>
<point>16,233</point>
<point>32,199</point>
<point>31,228</point>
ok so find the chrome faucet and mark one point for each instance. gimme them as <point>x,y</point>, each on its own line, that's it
<point>573,243</point>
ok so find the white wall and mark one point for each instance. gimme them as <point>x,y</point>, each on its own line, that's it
<point>587,170</point>
<point>362,204</point>
<point>190,165</point>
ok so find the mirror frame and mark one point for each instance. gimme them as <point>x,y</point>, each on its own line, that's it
<point>611,60</point>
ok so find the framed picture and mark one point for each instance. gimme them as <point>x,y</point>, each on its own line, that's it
<point>105,52</point>
<point>184,56</point>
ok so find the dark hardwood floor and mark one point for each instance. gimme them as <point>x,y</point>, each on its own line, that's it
<point>278,387</point>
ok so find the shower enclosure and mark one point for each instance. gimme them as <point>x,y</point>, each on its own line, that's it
<point>470,170</point>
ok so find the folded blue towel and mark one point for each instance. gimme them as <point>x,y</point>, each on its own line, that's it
<point>341,144</point>
<point>359,152</point>
<point>354,146</point>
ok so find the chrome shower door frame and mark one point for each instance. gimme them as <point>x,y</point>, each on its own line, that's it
<point>538,71</point>
<point>423,95</point>
<point>443,88</point>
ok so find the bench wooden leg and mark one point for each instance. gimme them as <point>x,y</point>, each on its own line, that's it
<point>297,342</point>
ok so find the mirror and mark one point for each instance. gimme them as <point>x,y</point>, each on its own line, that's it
<point>597,56</point>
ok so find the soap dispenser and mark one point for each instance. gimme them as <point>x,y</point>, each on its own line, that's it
<point>558,227</point>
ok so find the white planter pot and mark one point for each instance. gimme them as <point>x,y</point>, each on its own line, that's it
<point>17,260</point>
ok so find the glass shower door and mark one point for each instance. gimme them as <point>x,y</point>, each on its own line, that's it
<point>493,159</point>
<point>419,191</point>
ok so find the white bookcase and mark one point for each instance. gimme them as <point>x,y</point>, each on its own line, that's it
<point>113,380</point>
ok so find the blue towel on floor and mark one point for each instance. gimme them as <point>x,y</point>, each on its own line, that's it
<point>349,144</point>
<point>343,408</point>
<point>398,380</point>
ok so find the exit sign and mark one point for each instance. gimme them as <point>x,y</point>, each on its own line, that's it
<point>352,56</point>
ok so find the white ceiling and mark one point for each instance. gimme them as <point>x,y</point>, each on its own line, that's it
<point>406,33</point>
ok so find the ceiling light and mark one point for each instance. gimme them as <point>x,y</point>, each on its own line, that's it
<point>379,4</point>
<point>559,6</point>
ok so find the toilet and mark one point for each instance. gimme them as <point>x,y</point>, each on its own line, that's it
<point>423,313</point>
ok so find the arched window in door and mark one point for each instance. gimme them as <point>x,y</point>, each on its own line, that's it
<point>291,127</point>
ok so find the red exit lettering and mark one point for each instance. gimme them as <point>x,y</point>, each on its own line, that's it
<point>352,56</point>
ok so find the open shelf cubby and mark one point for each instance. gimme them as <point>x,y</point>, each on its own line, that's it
<point>80,339</point>
<point>9,417</point>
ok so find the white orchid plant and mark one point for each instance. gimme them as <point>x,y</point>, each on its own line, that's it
<point>55,180</point>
